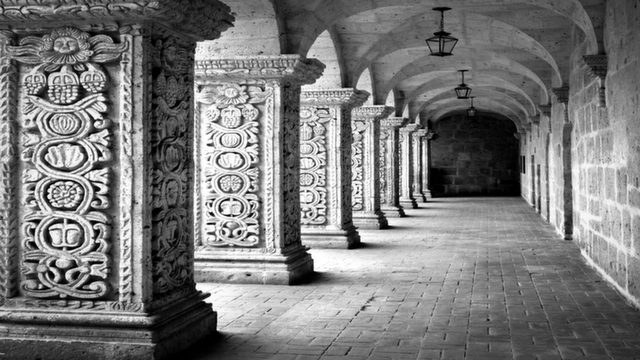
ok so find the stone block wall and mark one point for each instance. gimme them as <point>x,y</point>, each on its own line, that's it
<point>606,152</point>
<point>474,161</point>
<point>594,190</point>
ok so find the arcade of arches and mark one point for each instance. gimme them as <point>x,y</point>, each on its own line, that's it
<point>150,145</point>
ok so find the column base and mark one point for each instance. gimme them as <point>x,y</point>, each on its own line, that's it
<point>290,266</point>
<point>369,220</point>
<point>323,238</point>
<point>41,333</point>
<point>393,211</point>
<point>408,203</point>
<point>427,194</point>
<point>420,197</point>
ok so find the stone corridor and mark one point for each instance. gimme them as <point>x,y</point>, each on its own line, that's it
<point>459,278</point>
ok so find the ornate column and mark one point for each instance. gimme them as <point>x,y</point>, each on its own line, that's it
<point>418,164</point>
<point>426,163</point>
<point>248,223</point>
<point>325,175</point>
<point>365,125</point>
<point>406,167</point>
<point>97,178</point>
<point>389,169</point>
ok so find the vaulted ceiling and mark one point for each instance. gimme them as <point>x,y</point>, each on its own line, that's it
<point>515,51</point>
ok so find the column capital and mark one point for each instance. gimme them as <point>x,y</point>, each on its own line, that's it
<point>596,65</point>
<point>393,122</point>
<point>545,110</point>
<point>294,68</point>
<point>409,128</point>
<point>597,68</point>
<point>431,135</point>
<point>371,112</point>
<point>561,93</point>
<point>198,19</point>
<point>420,133</point>
<point>337,97</point>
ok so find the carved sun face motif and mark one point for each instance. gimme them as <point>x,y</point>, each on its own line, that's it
<point>232,94</point>
<point>66,45</point>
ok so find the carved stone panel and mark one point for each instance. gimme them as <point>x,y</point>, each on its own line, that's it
<point>97,128</point>
<point>389,167</point>
<point>365,166</point>
<point>406,163</point>
<point>249,143</point>
<point>313,163</point>
<point>66,152</point>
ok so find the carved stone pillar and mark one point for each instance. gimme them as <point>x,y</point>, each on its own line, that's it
<point>97,178</point>
<point>426,163</point>
<point>389,169</point>
<point>406,167</point>
<point>325,175</point>
<point>365,125</point>
<point>418,164</point>
<point>248,223</point>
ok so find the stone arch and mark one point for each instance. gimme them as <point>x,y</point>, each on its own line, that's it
<point>486,32</point>
<point>325,50</point>
<point>256,31</point>
<point>424,68</point>
<point>365,82</point>
<point>307,22</point>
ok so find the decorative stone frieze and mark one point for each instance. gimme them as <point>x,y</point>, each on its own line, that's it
<point>597,68</point>
<point>365,125</point>
<point>406,166</point>
<point>388,167</point>
<point>325,169</point>
<point>418,164</point>
<point>97,179</point>
<point>248,188</point>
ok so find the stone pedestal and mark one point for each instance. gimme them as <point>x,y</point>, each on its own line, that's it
<point>365,125</point>
<point>389,169</point>
<point>248,193</point>
<point>426,163</point>
<point>97,179</point>
<point>406,166</point>
<point>325,167</point>
<point>418,165</point>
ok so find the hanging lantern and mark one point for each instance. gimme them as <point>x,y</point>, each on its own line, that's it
<point>472,112</point>
<point>463,91</point>
<point>441,44</point>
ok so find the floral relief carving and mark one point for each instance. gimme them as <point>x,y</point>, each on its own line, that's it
<point>313,164</point>
<point>291,158</point>
<point>231,205</point>
<point>66,154</point>
<point>170,153</point>
<point>357,165</point>
<point>384,137</point>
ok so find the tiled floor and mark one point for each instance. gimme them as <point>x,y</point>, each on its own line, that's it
<point>460,278</point>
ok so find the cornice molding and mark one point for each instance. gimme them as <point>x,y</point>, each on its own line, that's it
<point>336,97</point>
<point>409,128</point>
<point>371,112</point>
<point>393,122</point>
<point>200,19</point>
<point>260,67</point>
